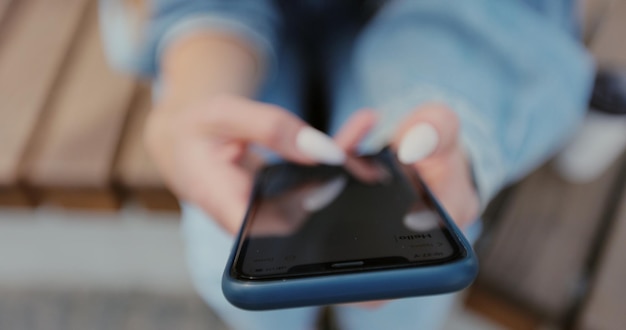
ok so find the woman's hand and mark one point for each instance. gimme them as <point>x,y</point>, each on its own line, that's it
<point>202,149</point>
<point>200,132</point>
<point>429,141</point>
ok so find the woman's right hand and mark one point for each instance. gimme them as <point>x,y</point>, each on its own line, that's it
<point>201,149</point>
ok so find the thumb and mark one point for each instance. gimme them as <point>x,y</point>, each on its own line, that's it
<point>430,131</point>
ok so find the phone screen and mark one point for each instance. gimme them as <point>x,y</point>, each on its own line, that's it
<point>371,214</point>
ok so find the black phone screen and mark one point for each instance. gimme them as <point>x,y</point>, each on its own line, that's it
<point>368,215</point>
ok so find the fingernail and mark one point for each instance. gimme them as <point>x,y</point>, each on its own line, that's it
<point>418,143</point>
<point>319,147</point>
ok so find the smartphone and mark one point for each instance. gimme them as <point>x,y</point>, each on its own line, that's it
<point>319,235</point>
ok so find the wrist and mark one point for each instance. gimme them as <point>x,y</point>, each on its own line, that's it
<point>208,64</point>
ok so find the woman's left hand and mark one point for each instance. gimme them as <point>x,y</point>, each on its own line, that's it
<point>428,140</point>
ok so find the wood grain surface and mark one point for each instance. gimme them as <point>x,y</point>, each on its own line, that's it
<point>72,154</point>
<point>539,248</point>
<point>608,45</point>
<point>134,170</point>
<point>33,46</point>
<point>77,144</point>
<point>606,306</point>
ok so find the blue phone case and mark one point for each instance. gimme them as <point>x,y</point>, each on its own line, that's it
<point>352,287</point>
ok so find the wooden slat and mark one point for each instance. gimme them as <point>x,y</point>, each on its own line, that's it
<point>609,44</point>
<point>539,247</point>
<point>74,152</point>
<point>593,13</point>
<point>159,199</point>
<point>503,312</point>
<point>35,39</point>
<point>134,169</point>
<point>606,307</point>
<point>15,197</point>
<point>606,304</point>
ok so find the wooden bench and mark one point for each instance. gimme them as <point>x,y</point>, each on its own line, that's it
<point>70,132</point>
<point>70,127</point>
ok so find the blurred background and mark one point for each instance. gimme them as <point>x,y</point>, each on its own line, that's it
<point>89,234</point>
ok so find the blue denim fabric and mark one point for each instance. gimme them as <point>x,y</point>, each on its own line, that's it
<point>512,70</point>
<point>518,82</point>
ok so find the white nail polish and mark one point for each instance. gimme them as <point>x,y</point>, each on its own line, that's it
<point>319,147</point>
<point>418,143</point>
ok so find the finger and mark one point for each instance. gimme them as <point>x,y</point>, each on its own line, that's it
<point>355,129</point>
<point>367,171</point>
<point>349,137</point>
<point>272,127</point>
<point>429,131</point>
<point>252,162</point>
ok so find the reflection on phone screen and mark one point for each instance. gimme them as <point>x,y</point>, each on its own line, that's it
<point>370,214</point>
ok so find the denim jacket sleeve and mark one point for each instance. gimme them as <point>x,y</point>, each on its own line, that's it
<point>137,46</point>
<point>512,70</point>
